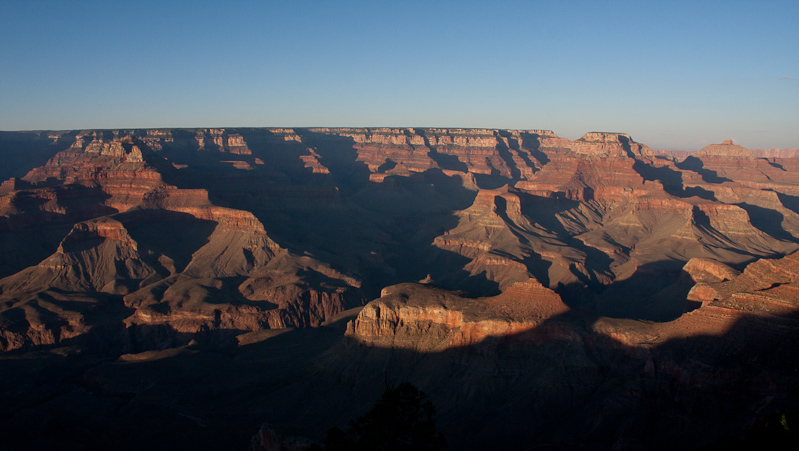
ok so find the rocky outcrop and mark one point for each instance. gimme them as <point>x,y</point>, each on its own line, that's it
<point>766,294</point>
<point>599,166</point>
<point>488,235</point>
<point>97,255</point>
<point>705,270</point>
<point>767,285</point>
<point>603,144</point>
<point>426,319</point>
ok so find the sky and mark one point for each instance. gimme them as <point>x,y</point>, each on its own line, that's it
<point>673,74</point>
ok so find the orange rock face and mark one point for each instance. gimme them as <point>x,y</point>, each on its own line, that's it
<point>705,270</point>
<point>431,320</point>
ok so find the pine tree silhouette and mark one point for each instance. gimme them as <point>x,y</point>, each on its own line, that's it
<point>402,420</point>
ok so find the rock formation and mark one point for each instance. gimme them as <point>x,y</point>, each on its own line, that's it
<point>593,275</point>
<point>427,319</point>
<point>725,149</point>
<point>99,255</point>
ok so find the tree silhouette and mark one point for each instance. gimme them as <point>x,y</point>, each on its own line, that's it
<point>403,419</point>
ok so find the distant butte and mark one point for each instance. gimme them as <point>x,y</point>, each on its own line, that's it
<point>725,149</point>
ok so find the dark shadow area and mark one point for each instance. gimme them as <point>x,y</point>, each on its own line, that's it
<point>625,144</point>
<point>162,232</point>
<point>533,389</point>
<point>28,200</point>
<point>339,155</point>
<point>102,314</point>
<point>696,191</point>
<point>524,154</point>
<point>491,181</point>
<point>415,210</point>
<point>182,164</point>
<point>535,264</point>
<point>690,306</point>
<point>532,141</point>
<point>282,159</point>
<point>448,162</point>
<point>655,292</point>
<point>767,221</point>
<point>701,219</point>
<point>387,166</point>
<point>774,164</point>
<point>22,151</point>
<point>443,267</point>
<point>184,150</point>
<point>671,181</point>
<point>82,202</point>
<point>444,161</point>
<point>694,164</point>
<point>789,202</point>
<point>544,211</point>
<point>504,153</point>
<point>43,230</point>
<point>154,399</point>
<point>41,241</point>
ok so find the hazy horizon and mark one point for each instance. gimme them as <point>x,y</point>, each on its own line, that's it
<point>673,75</point>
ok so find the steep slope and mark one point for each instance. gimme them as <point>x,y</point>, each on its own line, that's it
<point>508,246</point>
<point>97,255</point>
<point>64,296</point>
<point>213,251</point>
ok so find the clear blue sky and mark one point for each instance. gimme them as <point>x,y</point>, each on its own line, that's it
<point>672,74</point>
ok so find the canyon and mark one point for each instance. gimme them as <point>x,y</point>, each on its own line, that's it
<point>184,286</point>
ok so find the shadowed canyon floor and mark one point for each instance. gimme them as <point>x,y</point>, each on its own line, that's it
<point>180,287</point>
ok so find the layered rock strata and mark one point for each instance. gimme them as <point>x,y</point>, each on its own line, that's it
<point>494,207</point>
<point>427,319</point>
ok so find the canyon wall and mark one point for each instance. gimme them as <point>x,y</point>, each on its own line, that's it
<point>498,251</point>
